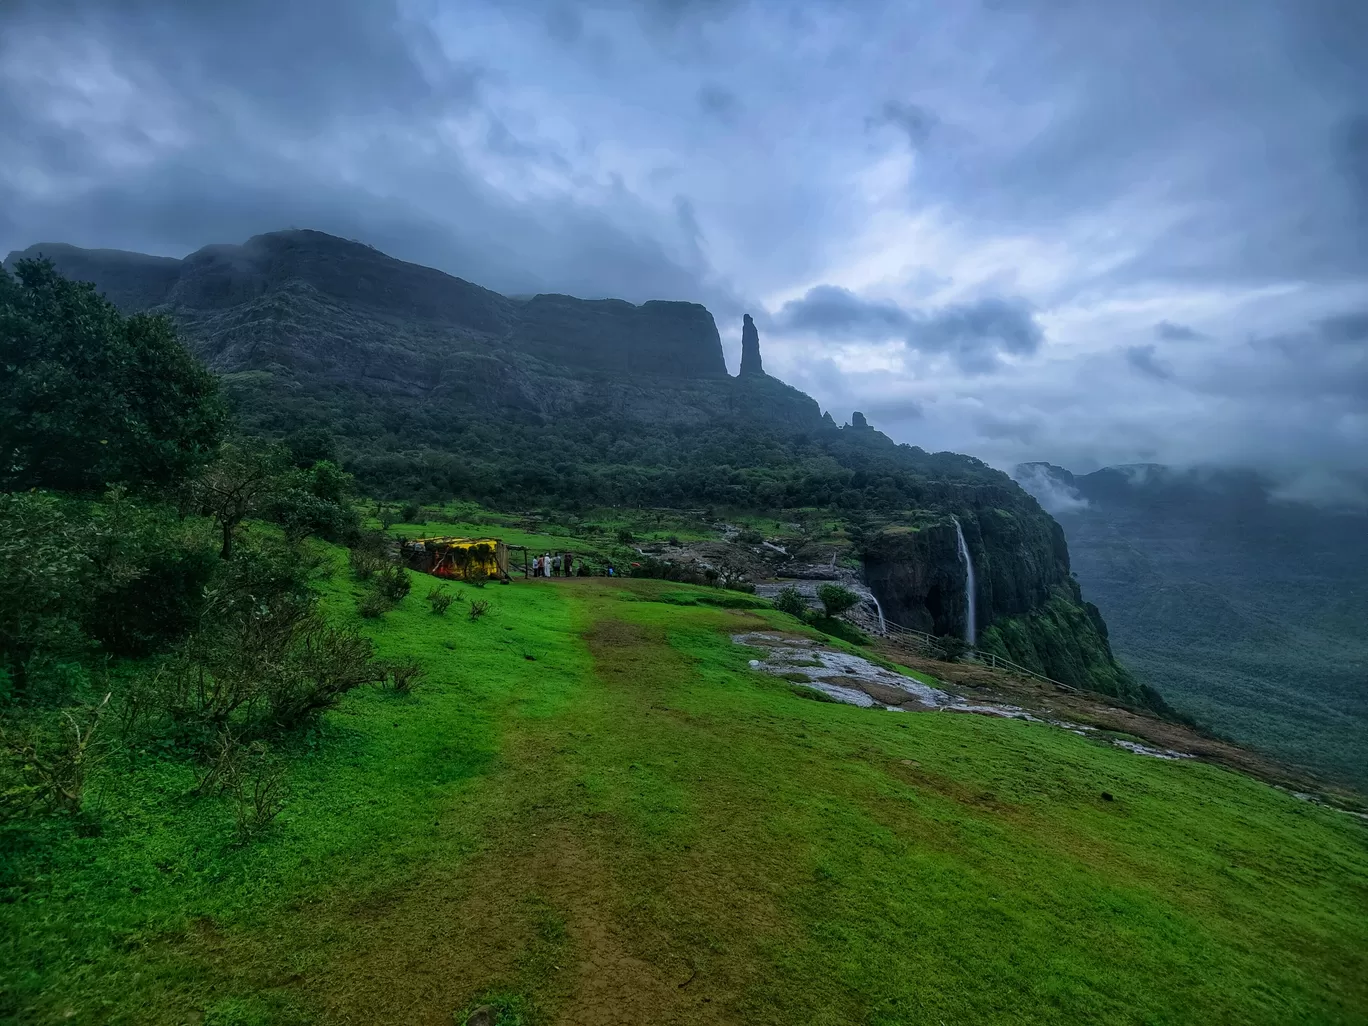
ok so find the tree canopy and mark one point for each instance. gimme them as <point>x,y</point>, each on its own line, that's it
<point>90,398</point>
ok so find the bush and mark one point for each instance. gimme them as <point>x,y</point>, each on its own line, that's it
<point>403,674</point>
<point>440,599</point>
<point>478,608</point>
<point>53,762</point>
<point>373,605</point>
<point>625,536</point>
<point>160,605</point>
<point>365,564</point>
<point>393,582</point>
<point>254,670</point>
<point>836,599</point>
<point>410,513</point>
<point>750,537</point>
<point>952,648</point>
<point>790,601</point>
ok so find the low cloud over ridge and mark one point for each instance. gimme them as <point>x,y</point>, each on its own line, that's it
<point>974,335</point>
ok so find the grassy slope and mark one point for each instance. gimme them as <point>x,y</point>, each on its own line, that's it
<point>631,826</point>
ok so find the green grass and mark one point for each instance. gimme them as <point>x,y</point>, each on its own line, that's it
<point>594,810</point>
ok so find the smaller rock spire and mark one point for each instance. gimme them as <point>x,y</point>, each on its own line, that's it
<point>857,420</point>
<point>750,348</point>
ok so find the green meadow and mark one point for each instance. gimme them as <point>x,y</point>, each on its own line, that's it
<point>591,810</point>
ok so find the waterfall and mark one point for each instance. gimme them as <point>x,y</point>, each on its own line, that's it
<point>971,598</point>
<point>866,595</point>
<point>883,624</point>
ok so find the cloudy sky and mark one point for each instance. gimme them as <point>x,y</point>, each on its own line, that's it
<point>1088,231</point>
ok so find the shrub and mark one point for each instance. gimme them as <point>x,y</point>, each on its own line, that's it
<point>158,606</point>
<point>790,601</point>
<point>440,599</point>
<point>365,564</point>
<point>393,582</point>
<point>952,648</point>
<point>836,599</point>
<point>750,537</point>
<point>478,608</point>
<point>252,779</point>
<point>54,762</point>
<point>373,605</point>
<point>410,513</point>
<point>625,536</point>
<point>256,669</point>
<point>403,674</point>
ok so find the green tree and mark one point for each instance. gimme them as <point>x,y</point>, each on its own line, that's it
<point>790,600</point>
<point>246,479</point>
<point>836,599</point>
<point>89,397</point>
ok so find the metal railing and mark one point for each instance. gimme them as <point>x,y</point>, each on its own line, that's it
<point>991,659</point>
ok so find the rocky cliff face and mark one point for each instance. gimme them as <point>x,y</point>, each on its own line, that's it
<point>750,348</point>
<point>1029,607</point>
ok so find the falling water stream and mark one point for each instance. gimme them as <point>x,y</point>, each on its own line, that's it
<point>971,598</point>
<point>883,624</point>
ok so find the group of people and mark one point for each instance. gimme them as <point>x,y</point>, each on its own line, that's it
<point>562,564</point>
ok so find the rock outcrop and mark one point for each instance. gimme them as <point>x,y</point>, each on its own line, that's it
<point>750,348</point>
<point>857,421</point>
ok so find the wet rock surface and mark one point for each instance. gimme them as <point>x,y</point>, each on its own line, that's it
<point>854,680</point>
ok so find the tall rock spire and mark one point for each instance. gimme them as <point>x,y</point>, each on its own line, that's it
<point>750,348</point>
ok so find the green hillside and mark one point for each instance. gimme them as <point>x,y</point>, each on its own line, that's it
<point>1248,612</point>
<point>593,810</point>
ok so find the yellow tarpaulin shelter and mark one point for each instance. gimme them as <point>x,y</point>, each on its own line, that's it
<point>458,558</point>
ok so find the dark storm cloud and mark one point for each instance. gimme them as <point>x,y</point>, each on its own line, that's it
<point>975,335</point>
<point>1170,332</point>
<point>253,115</point>
<point>1349,327</point>
<point>1144,360</point>
<point>1093,166</point>
<point>840,314</point>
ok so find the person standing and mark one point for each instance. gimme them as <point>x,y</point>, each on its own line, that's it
<point>568,562</point>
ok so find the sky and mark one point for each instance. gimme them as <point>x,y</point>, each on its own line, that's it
<point>1085,231</point>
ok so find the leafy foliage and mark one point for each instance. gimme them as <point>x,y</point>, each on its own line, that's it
<point>790,601</point>
<point>836,599</point>
<point>440,599</point>
<point>90,398</point>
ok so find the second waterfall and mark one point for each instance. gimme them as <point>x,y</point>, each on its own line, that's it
<point>971,596</point>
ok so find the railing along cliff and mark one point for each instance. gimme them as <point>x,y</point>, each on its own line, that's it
<point>991,659</point>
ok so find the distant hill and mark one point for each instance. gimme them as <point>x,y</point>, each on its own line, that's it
<point>429,386</point>
<point>1248,610</point>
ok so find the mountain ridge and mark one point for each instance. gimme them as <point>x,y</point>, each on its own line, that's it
<point>432,386</point>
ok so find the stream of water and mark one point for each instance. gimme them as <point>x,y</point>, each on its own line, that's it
<point>971,600</point>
